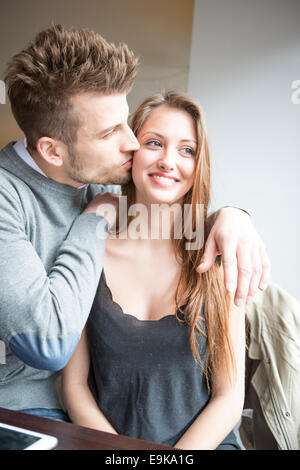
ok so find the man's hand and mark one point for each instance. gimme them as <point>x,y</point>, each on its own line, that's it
<point>105,204</point>
<point>246,264</point>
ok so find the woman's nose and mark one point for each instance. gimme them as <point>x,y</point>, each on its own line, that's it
<point>166,160</point>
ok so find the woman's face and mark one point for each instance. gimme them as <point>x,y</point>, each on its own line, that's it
<point>163,167</point>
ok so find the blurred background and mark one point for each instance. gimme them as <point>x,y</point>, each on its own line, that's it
<point>238,59</point>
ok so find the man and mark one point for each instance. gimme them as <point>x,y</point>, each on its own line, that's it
<point>68,94</point>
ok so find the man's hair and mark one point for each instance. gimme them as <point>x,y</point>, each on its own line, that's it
<point>57,65</point>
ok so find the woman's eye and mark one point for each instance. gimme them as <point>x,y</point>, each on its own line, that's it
<point>153,143</point>
<point>188,151</point>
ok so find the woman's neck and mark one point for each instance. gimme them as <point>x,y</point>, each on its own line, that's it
<point>154,221</point>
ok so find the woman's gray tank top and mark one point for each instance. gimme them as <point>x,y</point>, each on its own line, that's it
<point>143,374</point>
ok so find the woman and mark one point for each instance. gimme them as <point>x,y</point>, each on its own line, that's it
<point>166,345</point>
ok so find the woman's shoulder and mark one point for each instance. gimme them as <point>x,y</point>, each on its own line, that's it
<point>109,197</point>
<point>121,248</point>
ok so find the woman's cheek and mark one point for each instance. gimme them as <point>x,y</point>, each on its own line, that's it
<point>137,167</point>
<point>189,169</point>
<point>141,161</point>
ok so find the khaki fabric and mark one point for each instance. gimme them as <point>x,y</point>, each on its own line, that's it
<point>274,348</point>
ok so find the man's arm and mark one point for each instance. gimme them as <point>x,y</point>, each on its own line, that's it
<point>245,261</point>
<point>42,314</point>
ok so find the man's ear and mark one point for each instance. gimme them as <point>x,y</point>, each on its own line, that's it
<point>51,150</point>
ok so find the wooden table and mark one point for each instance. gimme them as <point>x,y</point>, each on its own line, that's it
<point>73,437</point>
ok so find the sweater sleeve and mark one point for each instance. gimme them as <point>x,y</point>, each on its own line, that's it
<point>42,314</point>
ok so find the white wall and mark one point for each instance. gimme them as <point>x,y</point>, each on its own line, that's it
<point>244,57</point>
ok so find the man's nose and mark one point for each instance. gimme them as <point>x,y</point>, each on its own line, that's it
<point>131,144</point>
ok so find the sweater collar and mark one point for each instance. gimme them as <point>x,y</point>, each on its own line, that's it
<point>11,161</point>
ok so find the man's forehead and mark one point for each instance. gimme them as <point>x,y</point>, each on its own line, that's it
<point>101,109</point>
<point>99,102</point>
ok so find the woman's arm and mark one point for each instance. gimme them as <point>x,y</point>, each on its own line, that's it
<point>77,397</point>
<point>225,407</point>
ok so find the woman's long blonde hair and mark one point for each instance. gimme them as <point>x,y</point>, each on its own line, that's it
<point>200,298</point>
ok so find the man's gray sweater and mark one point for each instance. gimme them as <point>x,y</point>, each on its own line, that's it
<point>50,266</point>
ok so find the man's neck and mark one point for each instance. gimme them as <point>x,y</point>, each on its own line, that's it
<point>51,171</point>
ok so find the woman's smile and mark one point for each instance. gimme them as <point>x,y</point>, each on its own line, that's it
<point>162,180</point>
<point>164,165</point>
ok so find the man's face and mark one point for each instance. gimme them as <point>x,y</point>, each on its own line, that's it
<point>104,142</point>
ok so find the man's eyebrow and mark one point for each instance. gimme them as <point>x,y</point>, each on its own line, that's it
<point>107,130</point>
